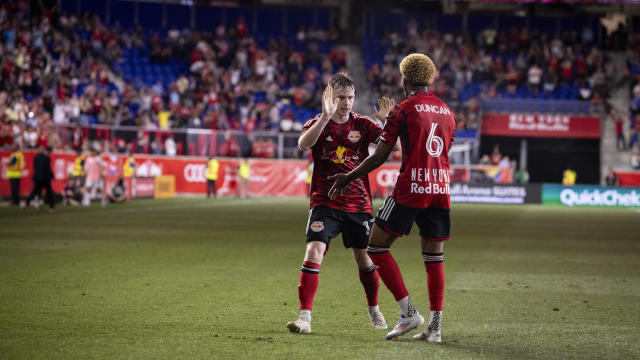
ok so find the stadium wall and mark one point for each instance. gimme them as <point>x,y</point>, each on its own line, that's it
<point>287,178</point>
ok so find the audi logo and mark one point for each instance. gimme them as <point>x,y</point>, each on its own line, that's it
<point>195,173</point>
<point>387,178</point>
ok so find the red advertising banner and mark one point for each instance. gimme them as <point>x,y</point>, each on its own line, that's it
<point>267,177</point>
<point>541,125</point>
<point>631,178</point>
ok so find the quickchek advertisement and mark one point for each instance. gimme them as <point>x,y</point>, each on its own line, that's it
<point>582,195</point>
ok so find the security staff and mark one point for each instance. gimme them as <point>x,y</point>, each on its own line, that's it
<point>212,176</point>
<point>14,173</point>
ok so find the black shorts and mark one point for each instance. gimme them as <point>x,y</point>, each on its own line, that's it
<point>326,223</point>
<point>397,219</point>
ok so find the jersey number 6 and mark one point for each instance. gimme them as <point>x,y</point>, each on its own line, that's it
<point>435,144</point>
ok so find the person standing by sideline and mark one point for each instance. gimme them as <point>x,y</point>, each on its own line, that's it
<point>42,176</point>
<point>213,166</point>
<point>426,127</point>
<point>15,165</point>
<point>244,173</point>
<point>94,170</point>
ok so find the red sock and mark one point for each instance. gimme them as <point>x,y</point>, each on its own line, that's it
<point>371,282</point>
<point>309,273</point>
<point>433,263</point>
<point>389,272</point>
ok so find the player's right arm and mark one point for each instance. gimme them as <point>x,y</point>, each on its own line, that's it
<point>329,107</point>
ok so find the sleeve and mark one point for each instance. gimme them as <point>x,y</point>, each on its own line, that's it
<point>374,131</point>
<point>308,124</point>
<point>395,121</point>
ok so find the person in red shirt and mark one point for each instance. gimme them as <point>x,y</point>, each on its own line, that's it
<point>425,126</point>
<point>339,140</point>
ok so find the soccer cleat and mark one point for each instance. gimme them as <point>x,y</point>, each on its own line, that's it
<point>377,320</point>
<point>405,324</point>
<point>428,335</point>
<point>432,332</point>
<point>299,326</point>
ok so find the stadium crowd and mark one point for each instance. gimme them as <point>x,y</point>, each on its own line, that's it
<point>60,75</point>
<point>61,72</point>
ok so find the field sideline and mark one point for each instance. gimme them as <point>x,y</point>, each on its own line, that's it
<point>195,279</point>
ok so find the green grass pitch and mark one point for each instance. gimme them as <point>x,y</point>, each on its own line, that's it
<point>198,279</point>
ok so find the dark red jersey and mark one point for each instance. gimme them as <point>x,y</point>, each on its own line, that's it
<point>426,127</point>
<point>341,148</point>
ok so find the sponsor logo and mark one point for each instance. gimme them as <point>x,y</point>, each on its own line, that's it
<point>329,138</point>
<point>387,178</point>
<point>317,226</point>
<point>340,155</point>
<point>195,173</point>
<point>430,188</point>
<point>434,109</point>
<point>599,198</point>
<point>531,122</point>
<point>148,169</point>
<point>59,169</point>
<point>354,136</point>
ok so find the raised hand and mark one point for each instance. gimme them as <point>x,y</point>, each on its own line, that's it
<point>339,185</point>
<point>329,105</point>
<point>385,105</point>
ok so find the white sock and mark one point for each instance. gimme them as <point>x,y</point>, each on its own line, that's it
<point>373,309</point>
<point>305,315</point>
<point>435,325</point>
<point>406,307</point>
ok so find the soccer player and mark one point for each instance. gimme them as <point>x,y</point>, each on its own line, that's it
<point>94,169</point>
<point>426,128</point>
<point>339,141</point>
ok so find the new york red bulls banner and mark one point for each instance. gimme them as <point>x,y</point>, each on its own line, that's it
<point>541,125</point>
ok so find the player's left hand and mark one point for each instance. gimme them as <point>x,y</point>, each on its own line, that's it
<point>339,185</point>
<point>384,107</point>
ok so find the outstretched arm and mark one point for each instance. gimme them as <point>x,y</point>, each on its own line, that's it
<point>341,181</point>
<point>329,107</point>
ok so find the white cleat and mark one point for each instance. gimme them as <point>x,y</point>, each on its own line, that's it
<point>377,320</point>
<point>432,332</point>
<point>405,324</point>
<point>299,326</point>
<point>429,336</point>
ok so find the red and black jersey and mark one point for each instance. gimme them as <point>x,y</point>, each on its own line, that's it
<point>340,148</point>
<point>426,127</point>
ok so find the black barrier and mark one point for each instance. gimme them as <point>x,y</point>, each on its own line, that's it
<point>496,194</point>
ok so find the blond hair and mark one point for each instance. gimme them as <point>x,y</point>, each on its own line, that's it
<point>417,70</point>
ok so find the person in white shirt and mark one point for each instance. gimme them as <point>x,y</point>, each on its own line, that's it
<point>170,146</point>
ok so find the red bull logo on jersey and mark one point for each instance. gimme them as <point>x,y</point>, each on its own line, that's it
<point>340,155</point>
<point>354,136</point>
<point>317,226</point>
<point>435,109</point>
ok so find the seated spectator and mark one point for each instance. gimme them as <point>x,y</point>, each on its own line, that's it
<point>118,193</point>
<point>70,193</point>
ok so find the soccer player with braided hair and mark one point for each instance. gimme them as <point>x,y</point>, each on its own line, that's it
<point>425,126</point>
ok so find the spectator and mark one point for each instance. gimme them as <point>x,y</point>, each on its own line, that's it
<point>156,145</point>
<point>118,193</point>
<point>170,145</point>
<point>611,178</point>
<point>621,144</point>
